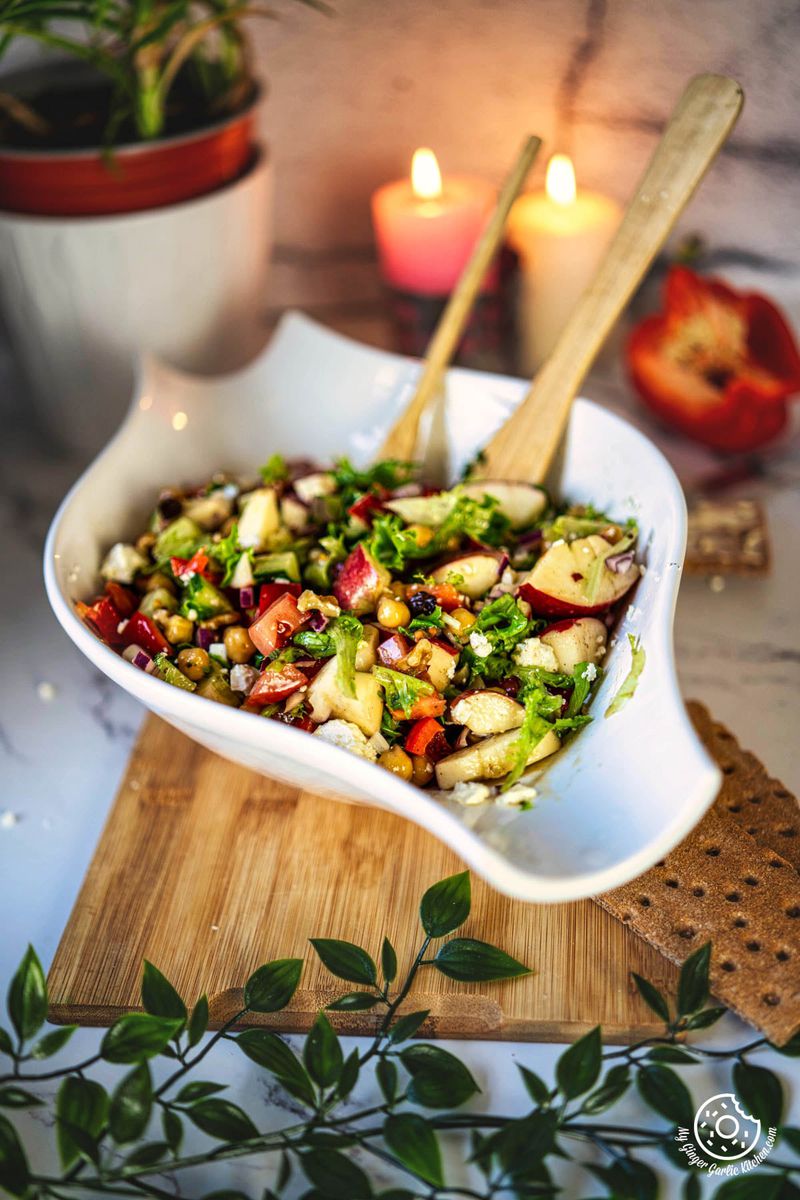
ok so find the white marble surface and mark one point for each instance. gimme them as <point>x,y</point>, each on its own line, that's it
<point>63,748</point>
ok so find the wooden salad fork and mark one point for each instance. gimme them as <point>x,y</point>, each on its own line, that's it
<point>525,446</point>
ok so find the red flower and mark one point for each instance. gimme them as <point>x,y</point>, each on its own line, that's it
<point>717,364</point>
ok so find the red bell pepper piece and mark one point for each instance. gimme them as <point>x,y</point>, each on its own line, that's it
<point>430,705</point>
<point>426,739</point>
<point>274,627</point>
<point>269,593</point>
<point>717,364</point>
<point>184,568</point>
<point>275,683</point>
<point>141,631</point>
<point>104,618</point>
<point>123,598</point>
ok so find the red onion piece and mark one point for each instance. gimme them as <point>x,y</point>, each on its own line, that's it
<point>531,538</point>
<point>205,637</point>
<point>318,621</point>
<point>247,597</point>
<point>619,563</point>
<point>139,658</point>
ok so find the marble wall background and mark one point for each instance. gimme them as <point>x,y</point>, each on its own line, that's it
<point>353,94</point>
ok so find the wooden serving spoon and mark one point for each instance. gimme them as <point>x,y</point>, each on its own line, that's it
<point>525,446</point>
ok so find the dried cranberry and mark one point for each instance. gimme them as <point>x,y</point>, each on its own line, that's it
<point>421,604</point>
<point>169,507</point>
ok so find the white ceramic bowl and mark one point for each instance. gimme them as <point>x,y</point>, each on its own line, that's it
<point>614,801</point>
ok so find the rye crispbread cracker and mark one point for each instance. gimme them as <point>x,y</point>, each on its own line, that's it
<point>732,888</point>
<point>727,537</point>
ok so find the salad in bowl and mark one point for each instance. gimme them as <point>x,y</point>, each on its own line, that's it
<point>454,637</point>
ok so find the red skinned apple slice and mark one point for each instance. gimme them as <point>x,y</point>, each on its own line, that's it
<point>393,650</point>
<point>477,573</point>
<point>361,581</point>
<point>582,639</point>
<point>556,586</point>
<point>520,503</point>
<point>326,699</point>
<point>485,712</point>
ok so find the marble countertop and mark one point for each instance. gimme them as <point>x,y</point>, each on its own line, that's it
<point>66,731</point>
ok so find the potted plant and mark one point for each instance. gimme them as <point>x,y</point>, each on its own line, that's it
<point>135,199</point>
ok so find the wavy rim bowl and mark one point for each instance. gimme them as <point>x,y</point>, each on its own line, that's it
<point>518,853</point>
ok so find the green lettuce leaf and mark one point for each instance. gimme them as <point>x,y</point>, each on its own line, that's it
<point>631,680</point>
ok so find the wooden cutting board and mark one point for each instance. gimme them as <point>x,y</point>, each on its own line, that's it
<point>209,870</point>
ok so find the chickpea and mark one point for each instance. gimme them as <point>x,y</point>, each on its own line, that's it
<point>238,646</point>
<point>194,663</point>
<point>611,533</point>
<point>145,543</point>
<point>158,580</point>
<point>421,770</point>
<point>423,533</point>
<point>397,761</point>
<point>465,618</point>
<point>392,613</point>
<point>178,629</point>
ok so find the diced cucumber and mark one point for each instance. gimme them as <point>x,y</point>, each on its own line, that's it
<point>171,674</point>
<point>178,540</point>
<point>202,600</point>
<point>158,598</point>
<point>284,564</point>
<point>215,687</point>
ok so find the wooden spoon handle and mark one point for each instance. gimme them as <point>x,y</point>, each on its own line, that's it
<point>401,441</point>
<point>707,111</point>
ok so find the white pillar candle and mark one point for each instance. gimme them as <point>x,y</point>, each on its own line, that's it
<point>560,235</point>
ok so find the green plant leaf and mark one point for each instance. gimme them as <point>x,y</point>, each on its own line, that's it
<point>6,1045</point>
<point>536,1087</point>
<point>790,1049</point>
<point>346,961</point>
<point>131,1105</point>
<point>137,1036</point>
<point>81,1112</point>
<point>628,1179</point>
<point>272,986</point>
<point>349,1076</point>
<point>386,1075</point>
<point>665,1093</point>
<point>446,905</point>
<point>413,1142</point>
<point>471,961</point>
<point>173,1129</point>
<point>388,961</point>
<point>322,1053</point>
<point>758,1186</point>
<point>198,1021</point>
<point>51,1043</point>
<point>272,1053</point>
<point>652,997</point>
<point>791,1135</point>
<point>706,1018</point>
<point>14,1171</point>
<point>693,981</point>
<point>27,996</point>
<point>759,1092</point>
<point>579,1066</point>
<point>159,996</point>
<point>671,1054</point>
<point>223,1120</point>
<point>198,1089</point>
<point>335,1176</point>
<point>12,1096</point>
<point>522,1145</point>
<point>438,1078</point>
<point>147,1155</point>
<point>354,1002</point>
<point>691,1188</point>
<point>407,1026</point>
<point>612,1089</point>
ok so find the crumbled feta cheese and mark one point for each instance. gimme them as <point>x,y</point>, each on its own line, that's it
<point>470,793</point>
<point>480,644</point>
<point>243,678</point>
<point>348,736</point>
<point>122,562</point>
<point>533,652</point>
<point>46,692</point>
<point>590,672</point>
<point>520,793</point>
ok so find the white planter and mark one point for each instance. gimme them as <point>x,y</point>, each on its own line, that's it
<point>81,296</point>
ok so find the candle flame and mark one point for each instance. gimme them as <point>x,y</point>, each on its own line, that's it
<point>426,178</point>
<point>560,179</point>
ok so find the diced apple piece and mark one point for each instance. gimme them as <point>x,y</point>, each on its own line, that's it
<point>361,581</point>
<point>367,650</point>
<point>393,649</point>
<point>485,712</point>
<point>489,759</point>
<point>312,487</point>
<point>520,503</point>
<point>260,518</point>
<point>209,512</point>
<point>326,699</point>
<point>423,510</point>
<point>555,587</point>
<point>294,514</point>
<point>478,573</point>
<point>441,665</point>
<point>243,573</point>
<point>576,641</point>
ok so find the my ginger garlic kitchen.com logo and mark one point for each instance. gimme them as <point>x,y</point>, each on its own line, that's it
<point>725,1139</point>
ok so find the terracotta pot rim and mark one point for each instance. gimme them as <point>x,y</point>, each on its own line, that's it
<point>260,157</point>
<point>133,149</point>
